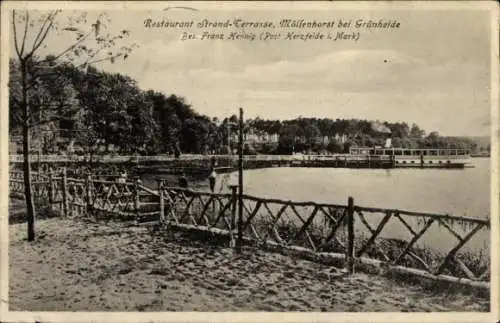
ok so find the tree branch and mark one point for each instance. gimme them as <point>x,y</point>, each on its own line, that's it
<point>44,36</point>
<point>45,33</point>
<point>41,30</point>
<point>25,31</point>
<point>90,61</point>
<point>68,49</point>
<point>16,45</point>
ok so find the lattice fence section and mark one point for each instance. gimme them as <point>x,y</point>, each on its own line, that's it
<point>16,188</point>
<point>87,196</point>
<point>198,208</point>
<point>35,176</point>
<point>319,227</point>
<point>41,190</point>
<point>76,196</point>
<point>41,186</point>
<point>114,198</point>
<point>375,226</point>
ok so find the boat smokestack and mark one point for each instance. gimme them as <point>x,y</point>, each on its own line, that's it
<point>388,143</point>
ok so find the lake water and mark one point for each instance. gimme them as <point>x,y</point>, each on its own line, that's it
<point>463,192</point>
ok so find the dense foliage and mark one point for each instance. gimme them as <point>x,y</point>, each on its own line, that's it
<point>99,112</point>
<point>327,135</point>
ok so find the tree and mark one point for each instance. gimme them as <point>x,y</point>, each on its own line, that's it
<point>30,34</point>
<point>433,140</point>
<point>167,123</point>
<point>88,136</point>
<point>335,147</point>
<point>311,133</point>
<point>416,132</point>
<point>195,135</point>
<point>290,139</point>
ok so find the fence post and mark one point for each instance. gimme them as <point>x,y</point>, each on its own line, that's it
<point>65,191</point>
<point>137,201</point>
<point>350,235</point>
<point>162,205</point>
<point>233,216</point>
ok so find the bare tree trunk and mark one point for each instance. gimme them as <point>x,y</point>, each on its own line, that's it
<point>28,193</point>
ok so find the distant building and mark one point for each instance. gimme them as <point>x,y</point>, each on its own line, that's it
<point>260,137</point>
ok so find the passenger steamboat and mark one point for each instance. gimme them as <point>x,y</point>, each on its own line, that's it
<point>424,157</point>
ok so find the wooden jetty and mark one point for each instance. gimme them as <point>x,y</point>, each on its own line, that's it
<point>384,158</point>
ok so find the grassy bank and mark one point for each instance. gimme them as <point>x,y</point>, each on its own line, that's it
<point>85,266</point>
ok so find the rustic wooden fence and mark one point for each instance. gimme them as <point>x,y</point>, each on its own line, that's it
<point>348,235</point>
<point>88,197</point>
<point>40,185</point>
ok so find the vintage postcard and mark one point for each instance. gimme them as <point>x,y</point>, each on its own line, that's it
<point>249,161</point>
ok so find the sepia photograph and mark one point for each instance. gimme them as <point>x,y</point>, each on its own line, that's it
<point>322,159</point>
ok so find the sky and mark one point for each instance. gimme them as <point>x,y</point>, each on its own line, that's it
<point>434,70</point>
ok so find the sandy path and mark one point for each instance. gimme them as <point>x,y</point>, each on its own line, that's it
<point>103,267</point>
